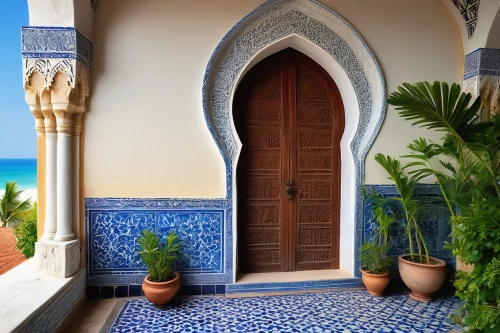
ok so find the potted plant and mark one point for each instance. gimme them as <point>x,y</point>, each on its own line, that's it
<point>162,283</point>
<point>422,273</point>
<point>470,185</point>
<point>375,262</point>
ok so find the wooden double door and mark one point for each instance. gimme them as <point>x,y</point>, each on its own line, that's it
<point>290,118</point>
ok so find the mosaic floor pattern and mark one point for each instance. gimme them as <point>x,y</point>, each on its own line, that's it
<point>341,311</point>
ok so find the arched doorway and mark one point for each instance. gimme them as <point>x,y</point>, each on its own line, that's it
<point>290,119</point>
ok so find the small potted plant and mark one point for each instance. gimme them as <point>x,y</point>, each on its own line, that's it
<point>420,272</point>
<point>162,283</point>
<point>375,262</point>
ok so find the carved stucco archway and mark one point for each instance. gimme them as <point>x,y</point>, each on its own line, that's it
<point>270,23</point>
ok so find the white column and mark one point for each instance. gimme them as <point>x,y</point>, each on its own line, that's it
<point>50,175</point>
<point>64,177</point>
<point>77,130</point>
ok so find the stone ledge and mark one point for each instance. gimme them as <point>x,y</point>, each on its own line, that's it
<point>35,302</point>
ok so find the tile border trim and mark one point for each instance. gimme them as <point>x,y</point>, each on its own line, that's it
<point>483,61</point>
<point>55,43</point>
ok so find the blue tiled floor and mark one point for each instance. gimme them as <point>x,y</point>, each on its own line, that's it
<point>341,311</point>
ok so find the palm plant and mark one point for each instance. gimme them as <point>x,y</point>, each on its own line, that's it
<point>159,258</point>
<point>474,146</point>
<point>470,187</point>
<point>411,207</point>
<point>12,208</point>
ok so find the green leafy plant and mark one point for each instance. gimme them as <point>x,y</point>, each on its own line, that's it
<point>159,258</point>
<point>406,186</point>
<point>12,208</point>
<point>26,233</point>
<point>374,258</point>
<point>470,187</point>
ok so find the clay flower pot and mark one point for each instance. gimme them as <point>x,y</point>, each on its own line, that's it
<point>375,283</point>
<point>160,293</point>
<point>422,279</point>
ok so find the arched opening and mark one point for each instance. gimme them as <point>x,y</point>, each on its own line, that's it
<point>328,39</point>
<point>289,116</point>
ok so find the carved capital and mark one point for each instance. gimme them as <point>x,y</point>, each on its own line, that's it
<point>62,83</point>
<point>39,122</point>
<point>77,124</point>
<point>64,120</point>
<point>49,121</point>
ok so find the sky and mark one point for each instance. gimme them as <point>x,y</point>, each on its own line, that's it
<point>17,133</point>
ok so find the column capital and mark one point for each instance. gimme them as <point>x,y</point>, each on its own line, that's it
<point>49,121</point>
<point>39,122</point>
<point>64,121</point>
<point>56,68</point>
<point>77,123</point>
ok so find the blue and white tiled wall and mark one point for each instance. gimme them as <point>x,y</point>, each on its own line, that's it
<point>434,221</point>
<point>114,268</point>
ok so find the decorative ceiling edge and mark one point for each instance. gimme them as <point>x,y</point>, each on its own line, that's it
<point>93,4</point>
<point>469,10</point>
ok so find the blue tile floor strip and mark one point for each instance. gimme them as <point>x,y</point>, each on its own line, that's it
<point>345,311</point>
<point>243,288</point>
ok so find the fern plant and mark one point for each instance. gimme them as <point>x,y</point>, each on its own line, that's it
<point>159,258</point>
<point>374,258</point>
<point>470,187</point>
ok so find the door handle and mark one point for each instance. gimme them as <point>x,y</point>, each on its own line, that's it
<point>291,189</point>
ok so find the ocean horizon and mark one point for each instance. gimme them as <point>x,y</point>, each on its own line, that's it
<point>20,170</point>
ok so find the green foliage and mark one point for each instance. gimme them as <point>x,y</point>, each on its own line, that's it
<point>470,186</point>
<point>26,233</point>
<point>374,258</point>
<point>411,207</point>
<point>12,208</point>
<point>159,258</point>
<point>477,242</point>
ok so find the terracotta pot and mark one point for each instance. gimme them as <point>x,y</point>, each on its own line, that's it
<point>422,279</point>
<point>375,283</point>
<point>160,293</point>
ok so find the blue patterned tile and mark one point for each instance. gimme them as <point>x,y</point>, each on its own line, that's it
<point>435,221</point>
<point>113,248</point>
<point>482,62</point>
<point>323,312</point>
<point>57,43</point>
<point>242,288</point>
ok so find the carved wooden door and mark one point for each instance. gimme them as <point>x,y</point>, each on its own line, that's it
<point>289,116</point>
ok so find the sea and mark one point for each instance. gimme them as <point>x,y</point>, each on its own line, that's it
<point>23,171</point>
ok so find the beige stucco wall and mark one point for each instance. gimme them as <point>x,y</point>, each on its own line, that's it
<point>145,131</point>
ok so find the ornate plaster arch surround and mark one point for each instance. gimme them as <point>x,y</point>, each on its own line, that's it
<point>323,35</point>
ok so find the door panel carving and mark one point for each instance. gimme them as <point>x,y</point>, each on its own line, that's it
<point>258,117</point>
<point>289,116</point>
